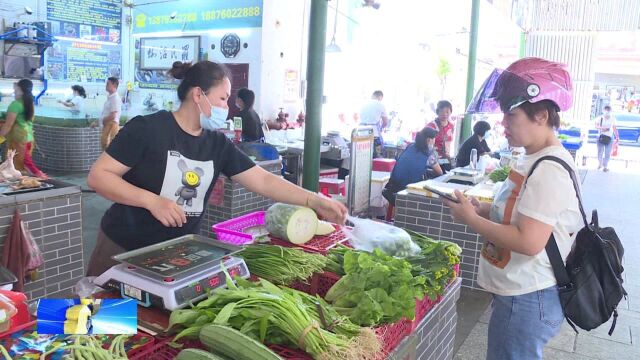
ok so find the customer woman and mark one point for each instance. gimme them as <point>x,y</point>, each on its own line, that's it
<point>445,133</point>
<point>476,141</point>
<point>419,161</point>
<point>251,124</point>
<point>160,169</point>
<point>606,126</point>
<point>18,128</point>
<point>514,266</point>
<point>76,103</point>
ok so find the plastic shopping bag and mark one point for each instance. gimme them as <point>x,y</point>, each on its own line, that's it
<point>368,235</point>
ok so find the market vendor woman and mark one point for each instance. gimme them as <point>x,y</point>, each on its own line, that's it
<point>160,170</point>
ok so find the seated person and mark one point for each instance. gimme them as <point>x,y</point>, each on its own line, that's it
<point>476,141</point>
<point>418,162</point>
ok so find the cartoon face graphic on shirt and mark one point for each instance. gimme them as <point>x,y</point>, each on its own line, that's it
<point>186,182</point>
<point>190,182</point>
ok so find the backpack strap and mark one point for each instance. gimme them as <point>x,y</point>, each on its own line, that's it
<point>557,263</point>
<point>572,174</point>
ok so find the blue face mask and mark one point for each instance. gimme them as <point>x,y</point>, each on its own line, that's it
<point>430,146</point>
<point>487,135</point>
<point>218,117</point>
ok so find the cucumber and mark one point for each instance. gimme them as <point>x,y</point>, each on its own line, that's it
<point>197,354</point>
<point>234,344</point>
<point>295,224</point>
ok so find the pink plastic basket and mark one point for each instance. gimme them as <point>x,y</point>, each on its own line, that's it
<point>231,231</point>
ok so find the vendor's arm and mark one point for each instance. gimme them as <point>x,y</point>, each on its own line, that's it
<point>437,169</point>
<point>106,179</point>
<point>527,236</point>
<point>9,120</point>
<point>274,187</point>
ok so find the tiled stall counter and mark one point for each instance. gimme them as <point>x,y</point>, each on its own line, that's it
<point>431,217</point>
<point>230,199</point>
<point>69,149</point>
<point>54,218</point>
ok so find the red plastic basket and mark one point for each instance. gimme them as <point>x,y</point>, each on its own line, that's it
<point>231,231</point>
<point>391,335</point>
<point>290,354</point>
<point>320,244</point>
<point>322,282</point>
<point>162,351</point>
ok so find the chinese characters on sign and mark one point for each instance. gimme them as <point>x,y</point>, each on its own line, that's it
<point>161,53</point>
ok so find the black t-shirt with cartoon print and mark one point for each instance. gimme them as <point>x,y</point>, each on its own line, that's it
<point>173,164</point>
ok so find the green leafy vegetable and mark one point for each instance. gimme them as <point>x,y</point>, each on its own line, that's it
<point>500,174</point>
<point>377,288</point>
<point>281,265</point>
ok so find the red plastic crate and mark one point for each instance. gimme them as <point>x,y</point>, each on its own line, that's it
<point>391,335</point>
<point>320,244</point>
<point>322,282</point>
<point>162,351</point>
<point>290,354</point>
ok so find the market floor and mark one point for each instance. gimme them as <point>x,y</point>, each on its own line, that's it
<point>615,196</point>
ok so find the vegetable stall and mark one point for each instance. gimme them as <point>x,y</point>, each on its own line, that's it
<point>288,286</point>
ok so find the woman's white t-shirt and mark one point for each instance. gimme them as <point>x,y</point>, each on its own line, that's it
<point>548,197</point>
<point>605,125</point>
<point>78,103</point>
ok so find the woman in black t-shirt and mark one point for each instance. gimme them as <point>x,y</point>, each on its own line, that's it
<point>251,125</point>
<point>160,169</point>
<point>476,141</point>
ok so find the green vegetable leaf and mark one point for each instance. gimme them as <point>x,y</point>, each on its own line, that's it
<point>225,314</point>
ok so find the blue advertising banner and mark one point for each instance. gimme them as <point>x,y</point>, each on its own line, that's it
<point>82,62</point>
<point>99,20</point>
<point>197,15</point>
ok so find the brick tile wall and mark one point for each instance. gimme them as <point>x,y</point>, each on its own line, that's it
<point>55,223</point>
<point>430,217</point>
<point>434,337</point>
<point>237,201</point>
<point>66,149</point>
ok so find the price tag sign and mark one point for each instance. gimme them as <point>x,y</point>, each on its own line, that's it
<point>360,170</point>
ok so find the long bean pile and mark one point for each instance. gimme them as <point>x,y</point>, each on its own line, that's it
<point>281,265</point>
<point>87,347</point>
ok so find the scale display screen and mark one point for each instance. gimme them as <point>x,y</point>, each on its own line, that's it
<point>174,259</point>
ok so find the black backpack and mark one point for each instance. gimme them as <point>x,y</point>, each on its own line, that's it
<point>590,284</point>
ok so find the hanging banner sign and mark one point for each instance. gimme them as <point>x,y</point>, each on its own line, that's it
<point>82,61</point>
<point>189,15</point>
<point>99,20</point>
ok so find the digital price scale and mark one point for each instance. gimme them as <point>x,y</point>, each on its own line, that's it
<point>465,176</point>
<point>175,273</point>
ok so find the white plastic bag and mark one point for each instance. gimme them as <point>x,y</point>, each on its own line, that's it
<point>368,235</point>
<point>85,287</point>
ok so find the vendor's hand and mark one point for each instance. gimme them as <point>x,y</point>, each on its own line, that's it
<point>328,209</point>
<point>464,211</point>
<point>167,212</point>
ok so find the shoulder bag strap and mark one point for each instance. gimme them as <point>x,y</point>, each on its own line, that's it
<point>557,263</point>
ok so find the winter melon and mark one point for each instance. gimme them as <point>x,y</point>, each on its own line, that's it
<point>296,224</point>
<point>324,228</point>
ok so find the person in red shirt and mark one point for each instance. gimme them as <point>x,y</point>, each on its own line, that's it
<point>445,133</point>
